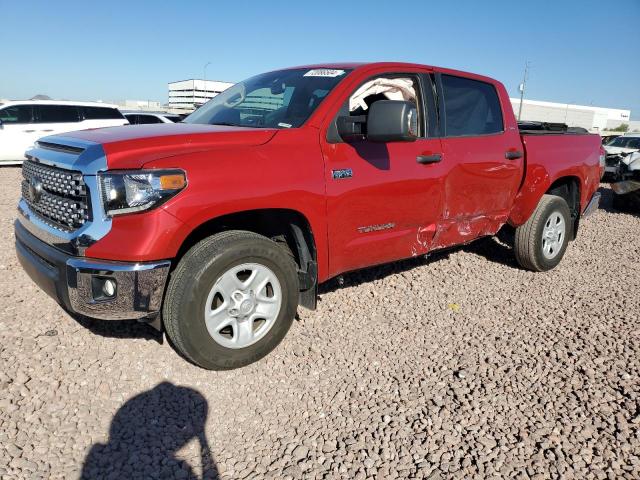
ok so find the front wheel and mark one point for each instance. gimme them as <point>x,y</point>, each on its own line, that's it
<point>231,300</point>
<point>541,242</point>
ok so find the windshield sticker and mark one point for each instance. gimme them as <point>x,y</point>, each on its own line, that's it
<point>284,125</point>
<point>324,72</point>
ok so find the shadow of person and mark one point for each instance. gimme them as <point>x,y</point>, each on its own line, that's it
<point>146,433</point>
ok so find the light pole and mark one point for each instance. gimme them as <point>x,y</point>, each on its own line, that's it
<point>205,76</point>
<point>522,87</point>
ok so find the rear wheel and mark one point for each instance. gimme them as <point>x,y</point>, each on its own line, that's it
<point>541,242</point>
<point>231,300</point>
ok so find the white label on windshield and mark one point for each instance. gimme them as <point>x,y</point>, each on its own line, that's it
<point>324,72</point>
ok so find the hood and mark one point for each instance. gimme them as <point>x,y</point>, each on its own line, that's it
<point>134,145</point>
<point>617,150</point>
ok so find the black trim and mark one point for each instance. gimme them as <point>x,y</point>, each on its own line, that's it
<point>442,117</point>
<point>430,105</point>
<point>60,148</point>
<point>46,265</point>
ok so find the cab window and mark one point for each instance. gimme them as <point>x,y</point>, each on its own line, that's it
<point>471,107</point>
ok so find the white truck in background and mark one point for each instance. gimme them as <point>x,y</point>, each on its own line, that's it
<point>24,122</point>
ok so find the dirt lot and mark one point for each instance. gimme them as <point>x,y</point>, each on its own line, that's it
<point>461,366</point>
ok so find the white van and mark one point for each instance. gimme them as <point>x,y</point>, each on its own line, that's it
<point>24,122</point>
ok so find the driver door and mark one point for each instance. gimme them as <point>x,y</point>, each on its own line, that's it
<point>382,204</point>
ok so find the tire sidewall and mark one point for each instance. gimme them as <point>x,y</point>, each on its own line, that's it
<point>560,206</point>
<point>193,293</point>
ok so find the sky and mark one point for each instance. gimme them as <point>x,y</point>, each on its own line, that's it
<point>582,52</point>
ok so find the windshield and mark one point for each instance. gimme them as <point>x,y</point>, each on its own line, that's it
<point>626,142</point>
<point>281,99</point>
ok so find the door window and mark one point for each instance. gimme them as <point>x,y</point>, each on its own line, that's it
<point>471,107</point>
<point>58,114</point>
<point>16,114</point>
<point>392,87</point>
<point>147,119</point>
<point>101,113</point>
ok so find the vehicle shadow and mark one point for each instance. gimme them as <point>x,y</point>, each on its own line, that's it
<point>491,248</point>
<point>117,328</point>
<point>606,202</point>
<point>606,199</point>
<point>146,434</point>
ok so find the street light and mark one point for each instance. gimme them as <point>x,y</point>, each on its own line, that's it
<point>205,77</point>
<point>522,86</point>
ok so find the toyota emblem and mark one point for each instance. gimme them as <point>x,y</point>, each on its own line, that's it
<point>35,189</point>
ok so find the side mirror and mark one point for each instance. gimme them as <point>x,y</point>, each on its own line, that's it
<point>351,127</point>
<point>392,121</point>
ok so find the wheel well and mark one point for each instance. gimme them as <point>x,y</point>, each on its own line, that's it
<point>287,228</point>
<point>569,189</point>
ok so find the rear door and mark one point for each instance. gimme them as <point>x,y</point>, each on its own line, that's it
<point>382,204</point>
<point>17,132</point>
<point>484,159</point>
<point>96,117</point>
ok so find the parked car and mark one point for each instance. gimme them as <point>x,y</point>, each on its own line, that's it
<point>626,183</point>
<point>216,229</point>
<point>607,139</point>
<point>23,122</point>
<point>144,118</point>
<point>616,151</point>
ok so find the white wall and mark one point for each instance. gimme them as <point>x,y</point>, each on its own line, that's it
<point>586,116</point>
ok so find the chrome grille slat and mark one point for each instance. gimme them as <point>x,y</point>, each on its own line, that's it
<point>63,200</point>
<point>65,182</point>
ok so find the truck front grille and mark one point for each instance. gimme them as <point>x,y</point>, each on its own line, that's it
<point>56,195</point>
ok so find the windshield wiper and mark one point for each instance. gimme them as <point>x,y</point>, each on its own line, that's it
<point>229,124</point>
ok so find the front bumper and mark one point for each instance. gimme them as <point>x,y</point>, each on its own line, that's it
<point>71,281</point>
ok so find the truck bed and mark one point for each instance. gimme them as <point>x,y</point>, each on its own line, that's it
<point>547,128</point>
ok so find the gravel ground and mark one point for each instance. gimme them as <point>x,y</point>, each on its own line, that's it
<point>462,366</point>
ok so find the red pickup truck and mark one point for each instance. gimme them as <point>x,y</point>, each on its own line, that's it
<point>215,229</point>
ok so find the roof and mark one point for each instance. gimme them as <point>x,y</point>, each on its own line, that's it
<point>147,112</point>
<point>58,102</point>
<point>392,65</point>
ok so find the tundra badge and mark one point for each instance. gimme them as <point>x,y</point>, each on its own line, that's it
<point>344,173</point>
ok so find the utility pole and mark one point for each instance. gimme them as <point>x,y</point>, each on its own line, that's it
<point>522,86</point>
<point>205,78</point>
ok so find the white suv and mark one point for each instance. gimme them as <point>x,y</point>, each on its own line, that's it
<point>144,118</point>
<point>24,122</point>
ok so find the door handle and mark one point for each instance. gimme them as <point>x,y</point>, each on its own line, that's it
<point>49,130</point>
<point>28,131</point>
<point>513,155</point>
<point>426,159</point>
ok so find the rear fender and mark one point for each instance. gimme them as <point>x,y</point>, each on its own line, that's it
<point>537,182</point>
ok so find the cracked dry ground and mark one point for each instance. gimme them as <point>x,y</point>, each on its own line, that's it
<point>462,366</point>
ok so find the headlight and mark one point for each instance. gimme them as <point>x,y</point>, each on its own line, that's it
<point>138,190</point>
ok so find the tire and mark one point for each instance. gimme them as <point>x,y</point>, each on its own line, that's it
<point>539,254</point>
<point>211,279</point>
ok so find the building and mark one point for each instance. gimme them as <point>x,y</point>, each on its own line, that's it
<point>594,119</point>
<point>186,95</point>
<point>148,105</point>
